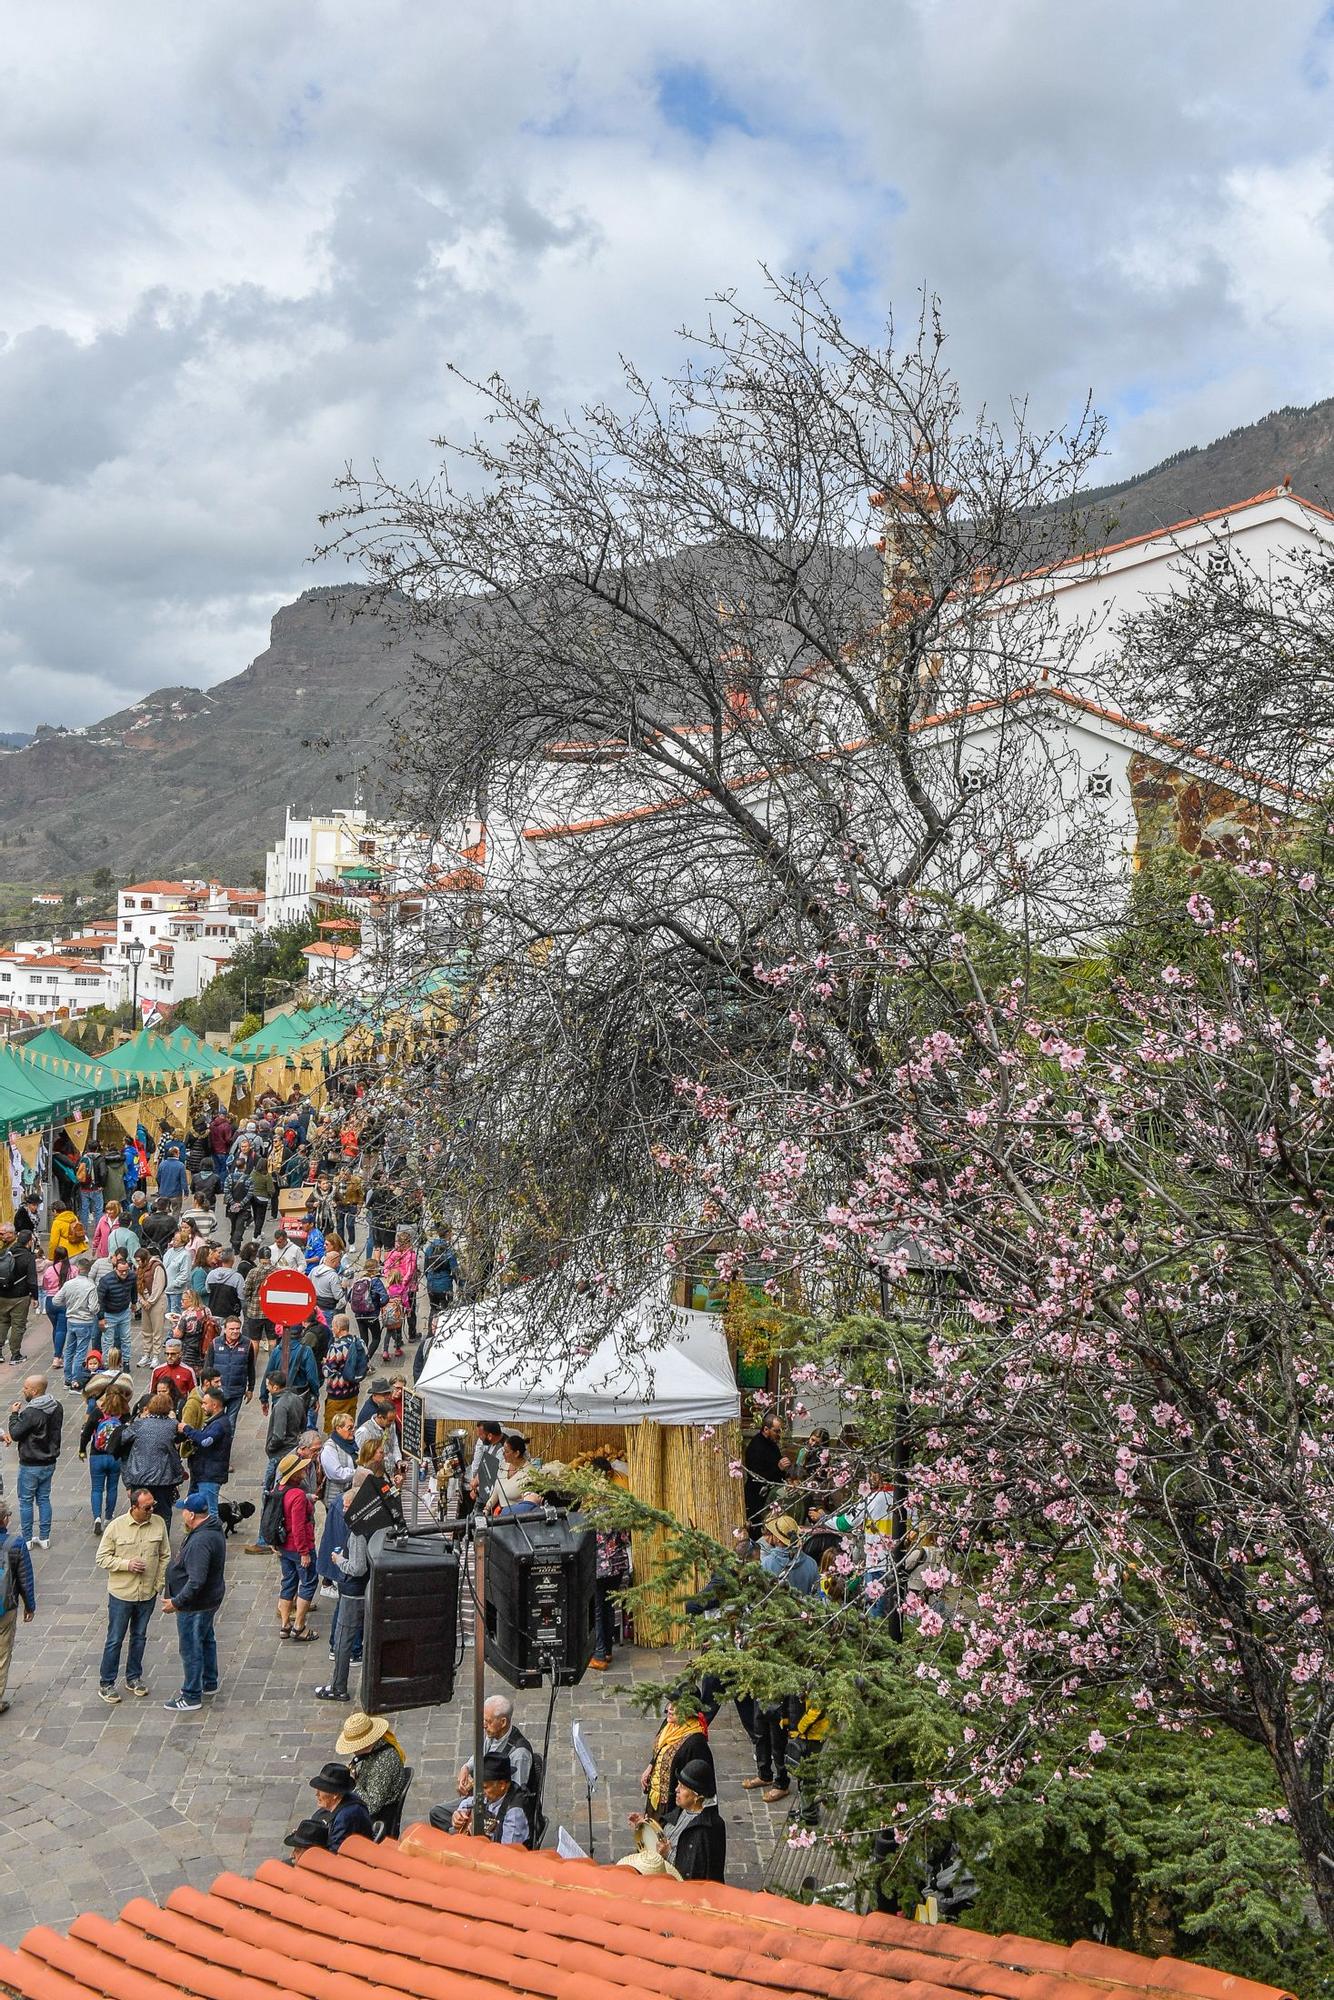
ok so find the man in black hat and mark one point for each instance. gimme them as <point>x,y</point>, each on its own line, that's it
<point>503,1817</point>
<point>336,1793</point>
<point>695,1839</point>
<point>380,1396</point>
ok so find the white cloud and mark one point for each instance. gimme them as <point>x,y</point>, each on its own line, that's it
<point>242,243</point>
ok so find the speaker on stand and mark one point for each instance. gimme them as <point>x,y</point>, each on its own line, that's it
<point>411,1629</point>
<point>538,1598</point>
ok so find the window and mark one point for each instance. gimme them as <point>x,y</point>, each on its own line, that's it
<point>145,903</point>
<point>1098,785</point>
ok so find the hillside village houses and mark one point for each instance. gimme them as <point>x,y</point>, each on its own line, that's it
<point>371,886</point>
<point>188,929</point>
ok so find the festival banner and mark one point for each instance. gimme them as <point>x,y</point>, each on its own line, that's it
<point>78,1129</point>
<point>30,1146</point>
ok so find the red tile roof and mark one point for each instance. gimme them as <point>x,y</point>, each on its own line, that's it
<point>441,1918</point>
<point>1271,493</point>
<point>163,889</point>
<point>1040,691</point>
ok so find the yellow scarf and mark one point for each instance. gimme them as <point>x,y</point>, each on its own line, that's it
<point>670,1739</point>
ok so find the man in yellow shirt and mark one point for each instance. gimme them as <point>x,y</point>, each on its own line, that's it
<point>134,1551</point>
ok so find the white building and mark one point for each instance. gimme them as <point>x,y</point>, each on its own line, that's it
<point>189,931</point>
<point>1089,596</point>
<point>49,985</point>
<point>326,858</point>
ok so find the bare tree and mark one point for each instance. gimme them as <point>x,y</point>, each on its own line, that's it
<point>712,658</point>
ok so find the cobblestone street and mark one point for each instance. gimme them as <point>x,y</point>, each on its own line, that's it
<point>102,1803</point>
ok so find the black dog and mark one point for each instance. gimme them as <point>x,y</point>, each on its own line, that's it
<point>232,1512</point>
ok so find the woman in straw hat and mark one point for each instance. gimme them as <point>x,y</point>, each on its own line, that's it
<point>297,1556</point>
<point>376,1760</point>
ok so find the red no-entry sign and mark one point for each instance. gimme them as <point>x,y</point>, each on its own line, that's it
<point>287,1298</point>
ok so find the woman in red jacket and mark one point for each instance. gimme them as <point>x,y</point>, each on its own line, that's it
<point>297,1555</point>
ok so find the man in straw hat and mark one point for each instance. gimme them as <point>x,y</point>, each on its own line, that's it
<point>783,1558</point>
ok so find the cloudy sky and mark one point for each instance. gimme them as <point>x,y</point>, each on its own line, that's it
<point>242,242</point>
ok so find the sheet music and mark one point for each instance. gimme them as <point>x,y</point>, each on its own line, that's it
<point>584,1754</point>
<point>567,1847</point>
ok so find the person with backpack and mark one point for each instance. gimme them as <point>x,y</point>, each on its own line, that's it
<point>100,1442</point>
<point>18,1592</point>
<point>90,1178</point>
<point>18,1288</point>
<point>345,1367</point>
<point>286,1428</point>
<point>154,1458</point>
<point>290,1526</point>
<point>134,1551</point>
<point>220,1135</point>
<point>441,1267</point>
<point>236,1203</point>
<point>224,1288</point>
<point>368,1296</point>
<point>196,1329</point>
<point>294,1361</point>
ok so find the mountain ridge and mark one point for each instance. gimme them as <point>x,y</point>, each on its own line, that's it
<point>307,720</point>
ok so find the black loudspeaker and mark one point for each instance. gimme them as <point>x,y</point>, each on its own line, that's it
<point>539,1599</point>
<point>412,1608</point>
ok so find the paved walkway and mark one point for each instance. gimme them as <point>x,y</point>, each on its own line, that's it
<point>101,1803</point>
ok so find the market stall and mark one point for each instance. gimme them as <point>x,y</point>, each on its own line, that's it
<point>657,1386</point>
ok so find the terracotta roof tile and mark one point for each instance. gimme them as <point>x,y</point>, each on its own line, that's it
<point>435,1918</point>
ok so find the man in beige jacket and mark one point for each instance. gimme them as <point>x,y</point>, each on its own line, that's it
<point>134,1552</point>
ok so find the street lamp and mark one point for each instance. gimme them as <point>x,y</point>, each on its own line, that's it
<point>134,951</point>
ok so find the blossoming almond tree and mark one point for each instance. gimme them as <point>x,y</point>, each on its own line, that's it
<point>1119,1407</point>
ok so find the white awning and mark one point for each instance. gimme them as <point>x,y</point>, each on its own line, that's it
<point>657,1364</point>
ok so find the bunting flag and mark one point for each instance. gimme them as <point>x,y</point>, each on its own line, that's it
<point>150,1115</point>
<point>30,1147</point>
<point>266,1075</point>
<point>178,1110</point>
<point>78,1130</point>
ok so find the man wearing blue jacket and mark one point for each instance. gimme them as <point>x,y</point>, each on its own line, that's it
<point>234,1359</point>
<point>212,1457</point>
<point>196,1586</point>
<point>171,1180</point>
<point>292,1358</point>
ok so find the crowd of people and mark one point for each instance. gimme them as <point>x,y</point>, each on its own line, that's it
<point>157,1334</point>
<point>133,1259</point>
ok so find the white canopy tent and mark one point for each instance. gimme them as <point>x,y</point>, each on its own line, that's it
<point>656,1364</point>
